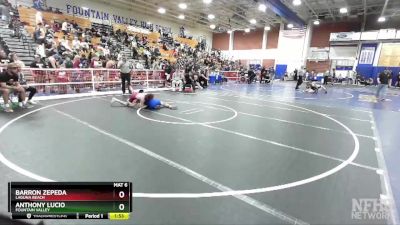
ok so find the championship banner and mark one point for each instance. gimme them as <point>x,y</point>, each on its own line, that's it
<point>390,55</point>
<point>367,54</point>
<point>385,34</point>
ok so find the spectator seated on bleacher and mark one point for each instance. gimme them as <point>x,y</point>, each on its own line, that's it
<point>14,59</point>
<point>3,55</point>
<point>38,62</point>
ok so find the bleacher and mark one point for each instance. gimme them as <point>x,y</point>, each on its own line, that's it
<point>23,45</point>
<point>28,18</point>
<point>102,27</point>
<point>190,42</point>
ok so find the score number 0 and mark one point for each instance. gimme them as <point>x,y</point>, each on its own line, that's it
<point>121,194</point>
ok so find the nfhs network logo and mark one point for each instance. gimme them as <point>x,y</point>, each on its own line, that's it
<point>370,209</point>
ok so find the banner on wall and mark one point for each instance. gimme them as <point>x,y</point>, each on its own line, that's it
<point>343,36</point>
<point>369,36</point>
<point>294,33</point>
<point>398,34</point>
<point>390,55</point>
<point>367,55</point>
<point>385,34</point>
<point>112,18</point>
<point>318,53</point>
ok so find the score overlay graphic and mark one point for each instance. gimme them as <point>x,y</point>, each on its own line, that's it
<point>70,200</point>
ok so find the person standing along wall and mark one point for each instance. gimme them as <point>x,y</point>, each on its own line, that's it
<point>300,78</point>
<point>251,75</point>
<point>326,77</point>
<point>383,81</point>
<point>398,80</point>
<point>391,78</point>
<point>125,68</point>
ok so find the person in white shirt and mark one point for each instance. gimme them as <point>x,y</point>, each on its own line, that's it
<point>98,78</point>
<point>76,44</point>
<point>119,56</point>
<point>106,51</point>
<point>155,65</point>
<point>313,87</point>
<point>64,27</point>
<point>39,18</point>
<point>85,45</point>
<point>134,43</point>
<point>139,66</point>
<point>65,43</point>
<point>40,51</point>
<point>177,83</point>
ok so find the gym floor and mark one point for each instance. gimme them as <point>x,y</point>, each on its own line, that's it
<point>231,154</point>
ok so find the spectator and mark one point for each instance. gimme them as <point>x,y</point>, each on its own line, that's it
<point>68,64</point>
<point>77,62</point>
<point>3,55</point>
<point>106,51</point>
<point>9,84</point>
<point>110,64</point>
<point>32,90</point>
<point>37,62</point>
<point>76,44</point>
<point>64,27</point>
<point>74,25</point>
<point>39,18</point>
<point>14,59</point>
<point>52,62</point>
<point>40,34</point>
<point>65,44</point>
<point>40,50</point>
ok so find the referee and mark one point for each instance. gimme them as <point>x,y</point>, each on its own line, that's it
<point>125,68</point>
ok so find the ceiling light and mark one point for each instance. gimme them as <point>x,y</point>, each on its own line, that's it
<point>247,30</point>
<point>290,26</point>
<point>343,10</point>
<point>207,1</point>
<point>211,16</point>
<point>182,17</point>
<point>316,22</point>
<point>253,21</point>
<point>229,32</point>
<point>212,26</point>
<point>382,19</point>
<point>182,5</point>
<point>262,7</point>
<point>296,2</point>
<point>161,10</point>
<point>267,28</point>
